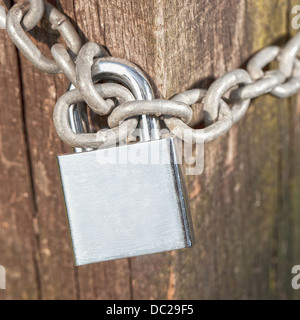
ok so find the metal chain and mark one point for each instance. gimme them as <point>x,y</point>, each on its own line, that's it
<point>24,44</point>
<point>34,14</point>
<point>92,140</point>
<point>77,61</point>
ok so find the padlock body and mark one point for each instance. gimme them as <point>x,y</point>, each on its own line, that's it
<point>125,201</point>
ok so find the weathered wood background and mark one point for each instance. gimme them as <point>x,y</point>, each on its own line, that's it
<point>246,204</point>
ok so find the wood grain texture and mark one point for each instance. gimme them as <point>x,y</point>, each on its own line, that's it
<point>18,247</point>
<point>245,205</point>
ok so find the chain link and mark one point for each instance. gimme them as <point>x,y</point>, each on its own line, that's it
<point>92,140</point>
<point>77,63</point>
<point>211,132</point>
<point>152,107</point>
<point>217,91</point>
<point>64,61</point>
<point>34,14</point>
<point>84,63</point>
<point>24,44</point>
<point>263,82</point>
<point>2,18</point>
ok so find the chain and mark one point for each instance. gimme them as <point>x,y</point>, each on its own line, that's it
<point>77,62</point>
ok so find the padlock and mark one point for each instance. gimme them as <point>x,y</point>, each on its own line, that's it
<point>118,210</point>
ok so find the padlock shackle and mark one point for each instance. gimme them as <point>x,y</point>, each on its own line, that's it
<point>78,119</point>
<point>134,79</point>
<point>124,72</point>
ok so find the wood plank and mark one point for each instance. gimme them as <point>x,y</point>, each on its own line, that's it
<point>18,247</point>
<point>293,186</point>
<point>40,93</point>
<point>241,204</point>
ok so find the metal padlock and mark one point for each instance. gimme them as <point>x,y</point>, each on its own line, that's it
<point>124,210</point>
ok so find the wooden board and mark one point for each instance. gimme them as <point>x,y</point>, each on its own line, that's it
<point>245,205</point>
<point>18,246</point>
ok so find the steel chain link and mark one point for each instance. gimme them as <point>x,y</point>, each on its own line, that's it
<point>34,14</point>
<point>77,62</point>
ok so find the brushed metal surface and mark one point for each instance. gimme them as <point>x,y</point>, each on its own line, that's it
<point>123,210</point>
